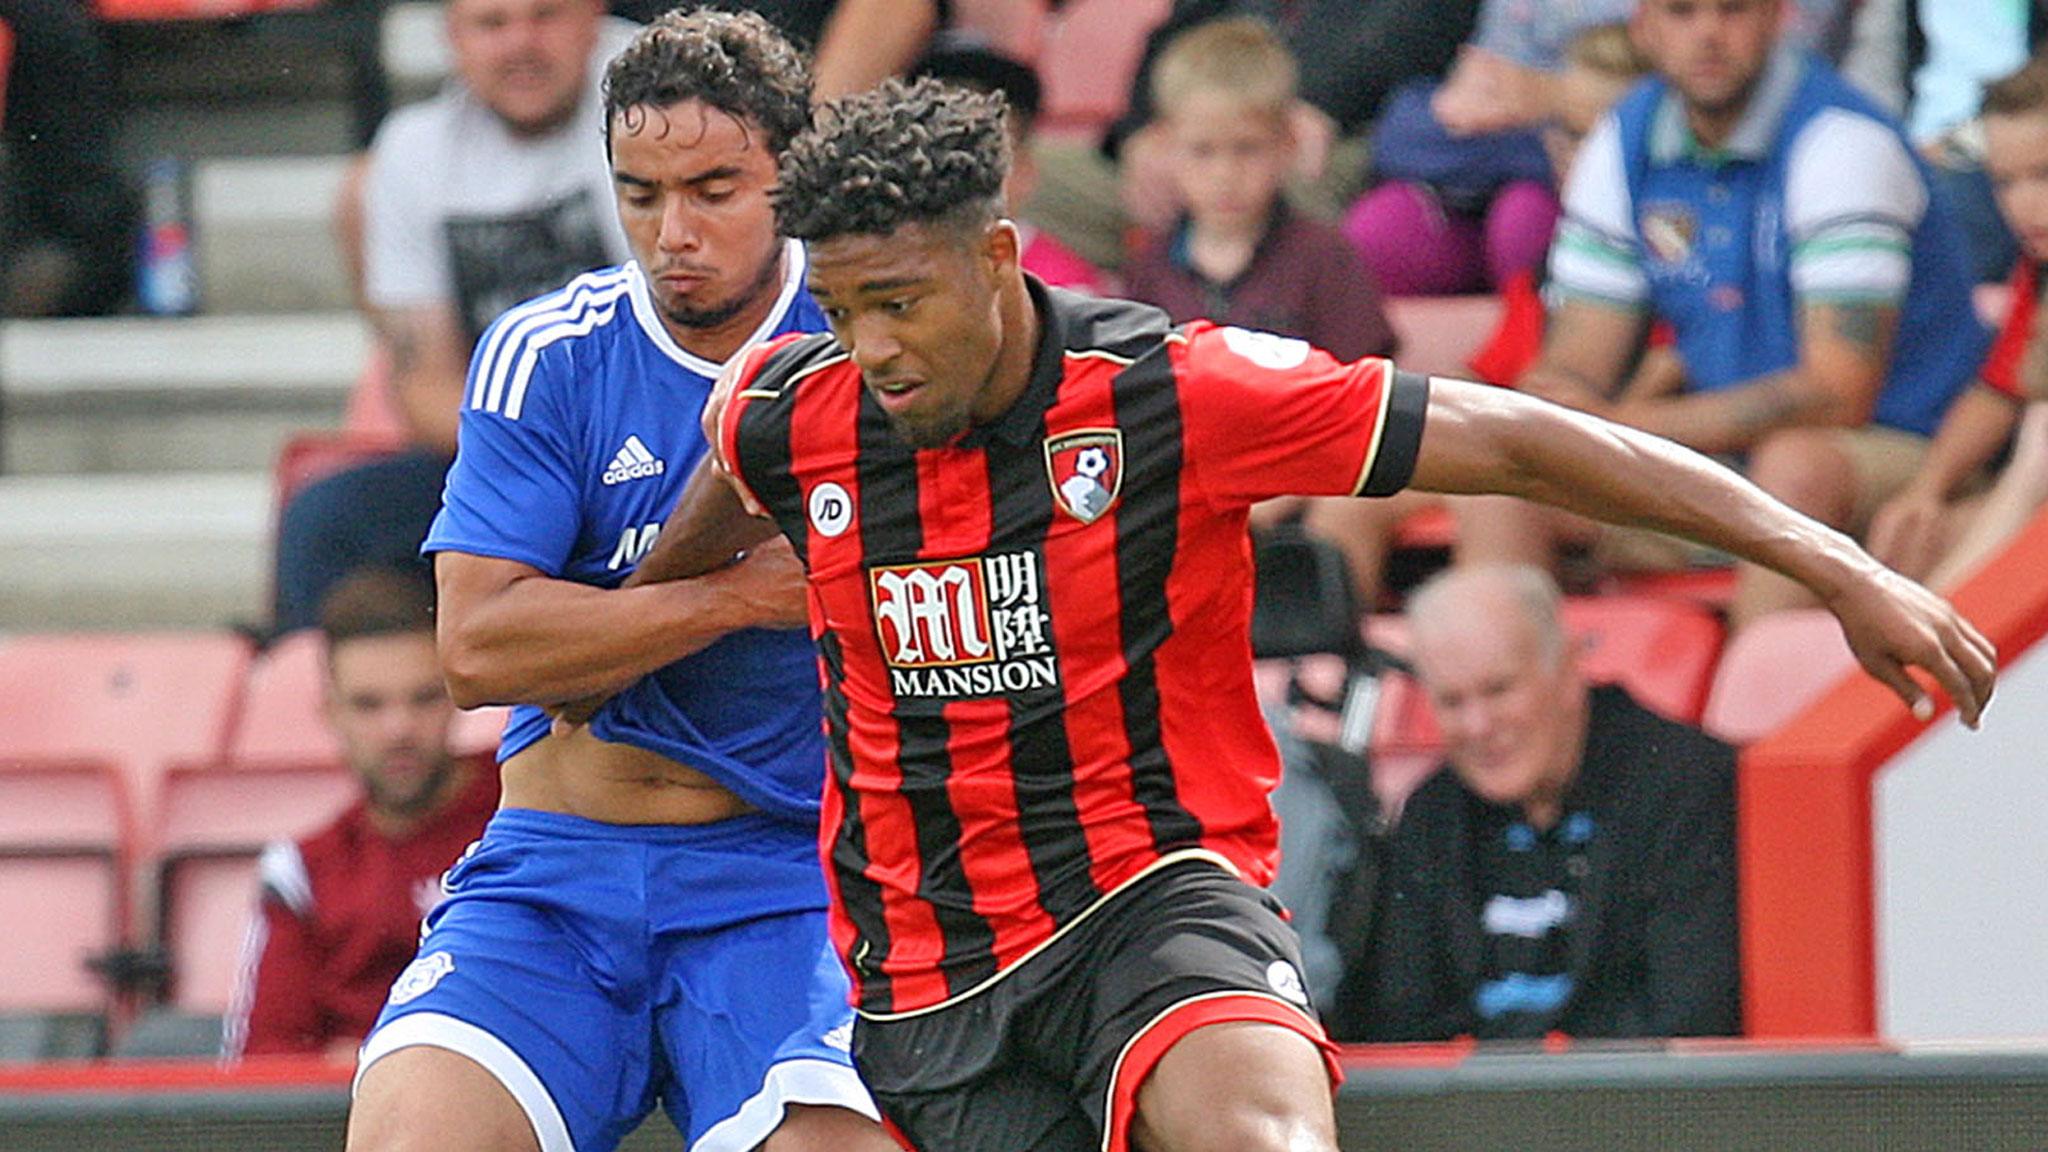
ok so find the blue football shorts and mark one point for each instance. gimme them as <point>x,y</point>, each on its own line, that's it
<point>599,969</point>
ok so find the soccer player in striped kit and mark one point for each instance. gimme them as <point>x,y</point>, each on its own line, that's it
<point>1022,516</point>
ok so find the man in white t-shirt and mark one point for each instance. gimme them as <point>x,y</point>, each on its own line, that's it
<point>491,192</point>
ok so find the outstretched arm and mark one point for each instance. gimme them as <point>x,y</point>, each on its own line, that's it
<point>1491,440</point>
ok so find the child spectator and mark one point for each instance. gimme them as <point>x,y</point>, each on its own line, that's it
<point>1239,255</point>
<point>1937,528</point>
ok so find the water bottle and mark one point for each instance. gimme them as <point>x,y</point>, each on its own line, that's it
<point>167,282</point>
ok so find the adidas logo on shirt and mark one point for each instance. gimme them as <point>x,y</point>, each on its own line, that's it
<point>633,462</point>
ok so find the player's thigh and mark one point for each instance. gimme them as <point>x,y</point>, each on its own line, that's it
<point>434,1100</point>
<point>757,1033</point>
<point>530,971</point>
<point>1240,1086</point>
<point>1012,1108</point>
<point>1200,970</point>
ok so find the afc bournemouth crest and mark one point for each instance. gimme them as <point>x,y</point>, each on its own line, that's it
<point>1087,471</point>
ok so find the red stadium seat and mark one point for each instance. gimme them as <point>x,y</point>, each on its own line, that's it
<point>6,65</point>
<point>1772,670</point>
<point>372,407</point>
<point>215,823</point>
<point>1663,651</point>
<point>1440,333</point>
<point>63,866</point>
<point>192,9</point>
<point>282,717</point>
<point>141,701</point>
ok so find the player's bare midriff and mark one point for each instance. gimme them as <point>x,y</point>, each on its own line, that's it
<point>577,774</point>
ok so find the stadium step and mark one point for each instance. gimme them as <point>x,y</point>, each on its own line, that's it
<point>263,234</point>
<point>134,552</point>
<point>139,394</point>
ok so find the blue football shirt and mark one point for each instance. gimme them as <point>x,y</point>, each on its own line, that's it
<point>579,429</point>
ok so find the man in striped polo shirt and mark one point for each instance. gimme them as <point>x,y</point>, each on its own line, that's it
<point>1818,289</point>
<point>1022,515</point>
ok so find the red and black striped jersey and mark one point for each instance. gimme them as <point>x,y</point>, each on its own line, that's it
<point>1036,639</point>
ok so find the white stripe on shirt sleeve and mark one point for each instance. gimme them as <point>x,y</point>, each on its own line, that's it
<point>1853,199</point>
<point>1597,254</point>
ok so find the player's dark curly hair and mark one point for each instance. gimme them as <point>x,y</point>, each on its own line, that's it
<point>735,62</point>
<point>900,153</point>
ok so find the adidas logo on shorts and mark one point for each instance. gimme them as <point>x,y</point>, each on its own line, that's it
<point>633,462</point>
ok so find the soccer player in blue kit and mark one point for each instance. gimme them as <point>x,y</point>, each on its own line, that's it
<point>643,921</point>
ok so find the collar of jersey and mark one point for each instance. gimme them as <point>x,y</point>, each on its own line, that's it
<point>1671,138</point>
<point>1020,423</point>
<point>657,332</point>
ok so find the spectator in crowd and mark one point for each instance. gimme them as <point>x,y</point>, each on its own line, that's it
<point>1816,288</point>
<point>1941,526</point>
<point>1930,61</point>
<point>340,910</point>
<point>1601,64</point>
<point>1223,93</point>
<point>67,215</point>
<point>985,70</point>
<point>1465,200</point>
<point>1239,255</point>
<point>468,203</point>
<point>1572,867</point>
<point>1352,54</point>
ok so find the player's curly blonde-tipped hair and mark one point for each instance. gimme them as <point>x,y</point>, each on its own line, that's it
<point>920,152</point>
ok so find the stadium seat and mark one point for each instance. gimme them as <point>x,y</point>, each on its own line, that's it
<point>192,9</point>
<point>1662,650</point>
<point>372,411</point>
<point>281,718</point>
<point>1440,333</point>
<point>6,65</point>
<point>142,701</point>
<point>215,822</point>
<point>1772,670</point>
<point>64,857</point>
